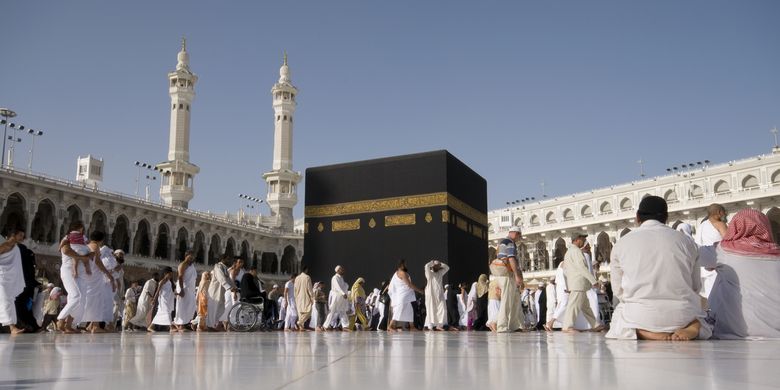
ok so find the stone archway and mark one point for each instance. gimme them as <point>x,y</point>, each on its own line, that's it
<point>142,244</point>
<point>542,256</point>
<point>774,218</point>
<point>199,247</point>
<point>72,213</point>
<point>161,248</point>
<point>268,263</point>
<point>214,250</point>
<point>14,214</point>
<point>603,248</point>
<point>560,251</point>
<point>98,223</point>
<point>44,224</point>
<point>181,244</point>
<point>230,247</point>
<point>245,251</point>
<point>289,260</point>
<point>120,237</point>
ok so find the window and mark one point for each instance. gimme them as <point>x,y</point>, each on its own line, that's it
<point>586,211</point>
<point>626,204</point>
<point>722,187</point>
<point>504,218</point>
<point>697,192</point>
<point>181,106</point>
<point>568,215</point>
<point>749,182</point>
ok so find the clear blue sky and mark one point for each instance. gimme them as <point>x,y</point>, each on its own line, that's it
<point>569,92</point>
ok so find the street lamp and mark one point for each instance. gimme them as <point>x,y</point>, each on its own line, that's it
<point>248,198</point>
<point>143,165</point>
<point>33,134</point>
<point>149,180</point>
<point>13,140</point>
<point>774,132</point>
<point>6,114</point>
<point>641,167</point>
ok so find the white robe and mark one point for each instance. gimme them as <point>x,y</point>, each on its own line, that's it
<point>338,303</point>
<point>11,284</point>
<point>562,299</point>
<point>291,314</point>
<point>435,306</point>
<point>144,303</point>
<point>165,305</point>
<point>401,298</point>
<point>707,235</point>
<point>75,287</point>
<point>655,276</point>
<point>220,284</point>
<point>552,300</point>
<point>743,301</point>
<point>108,294</point>
<point>187,305</point>
<point>463,313</point>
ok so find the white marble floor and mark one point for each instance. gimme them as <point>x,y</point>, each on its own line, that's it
<point>381,361</point>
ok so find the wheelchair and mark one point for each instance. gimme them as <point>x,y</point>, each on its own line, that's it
<point>247,315</point>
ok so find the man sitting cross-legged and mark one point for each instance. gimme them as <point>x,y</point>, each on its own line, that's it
<point>656,277</point>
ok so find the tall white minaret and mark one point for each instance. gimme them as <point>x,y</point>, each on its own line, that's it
<point>282,180</point>
<point>176,188</point>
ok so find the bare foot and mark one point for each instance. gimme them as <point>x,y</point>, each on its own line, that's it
<point>642,334</point>
<point>492,327</point>
<point>571,330</point>
<point>15,330</point>
<point>151,329</point>
<point>438,329</point>
<point>597,329</point>
<point>688,333</point>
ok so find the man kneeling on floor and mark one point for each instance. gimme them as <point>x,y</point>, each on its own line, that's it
<point>656,277</point>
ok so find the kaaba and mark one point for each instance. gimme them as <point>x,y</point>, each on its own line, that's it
<point>368,215</point>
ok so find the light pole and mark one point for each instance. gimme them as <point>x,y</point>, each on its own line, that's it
<point>144,165</point>
<point>248,198</point>
<point>149,180</point>
<point>13,140</point>
<point>544,195</point>
<point>6,114</point>
<point>774,132</point>
<point>33,134</point>
<point>641,167</point>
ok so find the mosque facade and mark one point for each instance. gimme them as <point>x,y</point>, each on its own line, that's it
<point>157,234</point>
<point>607,214</point>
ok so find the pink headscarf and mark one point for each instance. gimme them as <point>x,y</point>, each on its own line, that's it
<point>750,233</point>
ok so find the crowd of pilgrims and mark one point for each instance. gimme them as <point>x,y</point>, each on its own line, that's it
<point>666,284</point>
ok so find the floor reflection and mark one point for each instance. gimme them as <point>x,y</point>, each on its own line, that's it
<point>396,361</point>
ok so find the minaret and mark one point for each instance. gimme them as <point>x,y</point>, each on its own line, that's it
<point>176,188</point>
<point>282,180</point>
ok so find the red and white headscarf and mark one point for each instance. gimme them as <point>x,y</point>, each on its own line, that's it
<point>750,233</point>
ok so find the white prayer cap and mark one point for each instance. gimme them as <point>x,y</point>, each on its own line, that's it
<point>119,252</point>
<point>446,286</point>
<point>436,262</point>
<point>49,285</point>
<point>338,267</point>
<point>515,229</point>
<point>276,286</point>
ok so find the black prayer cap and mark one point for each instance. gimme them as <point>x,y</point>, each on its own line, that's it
<point>653,207</point>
